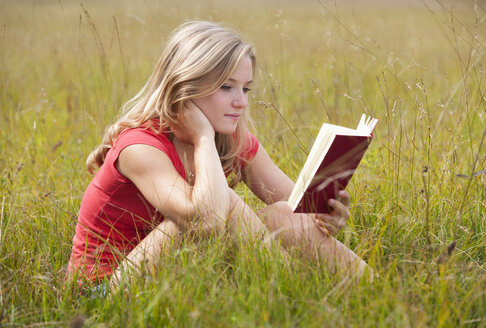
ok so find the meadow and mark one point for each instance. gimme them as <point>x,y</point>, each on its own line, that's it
<point>418,199</point>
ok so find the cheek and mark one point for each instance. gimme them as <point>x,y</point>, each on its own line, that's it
<point>203,104</point>
<point>206,108</point>
<point>212,105</point>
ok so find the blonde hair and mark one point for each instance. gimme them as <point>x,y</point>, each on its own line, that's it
<point>198,58</point>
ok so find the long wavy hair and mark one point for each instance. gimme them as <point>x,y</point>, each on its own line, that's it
<point>197,60</point>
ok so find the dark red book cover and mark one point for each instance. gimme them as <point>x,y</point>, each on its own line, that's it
<point>334,173</point>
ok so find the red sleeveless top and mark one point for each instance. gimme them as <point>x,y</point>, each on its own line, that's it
<point>114,216</point>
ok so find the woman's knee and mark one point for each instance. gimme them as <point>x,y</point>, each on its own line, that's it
<point>296,229</point>
<point>276,214</point>
<point>281,207</point>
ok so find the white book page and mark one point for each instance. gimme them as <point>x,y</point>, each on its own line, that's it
<point>336,129</point>
<point>366,124</point>
<point>316,155</point>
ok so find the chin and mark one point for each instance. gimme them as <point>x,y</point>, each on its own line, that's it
<point>226,130</point>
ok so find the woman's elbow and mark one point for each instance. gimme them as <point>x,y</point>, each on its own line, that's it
<point>212,220</point>
<point>203,222</point>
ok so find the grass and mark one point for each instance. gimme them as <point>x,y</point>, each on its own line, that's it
<point>418,198</point>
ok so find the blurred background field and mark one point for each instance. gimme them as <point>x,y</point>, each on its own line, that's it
<point>418,199</point>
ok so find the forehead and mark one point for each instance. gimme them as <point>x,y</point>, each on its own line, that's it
<point>244,71</point>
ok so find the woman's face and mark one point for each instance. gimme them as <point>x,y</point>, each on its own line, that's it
<point>225,106</point>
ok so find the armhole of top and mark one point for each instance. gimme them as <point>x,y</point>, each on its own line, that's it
<point>138,136</point>
<point>250,149</point>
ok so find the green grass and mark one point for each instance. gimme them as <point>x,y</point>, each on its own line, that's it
<point>67,67</point>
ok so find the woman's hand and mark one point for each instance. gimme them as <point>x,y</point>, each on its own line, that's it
<point>331,223</point>
<point>192,125</point>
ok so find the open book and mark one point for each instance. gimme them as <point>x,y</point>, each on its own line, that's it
<point>333,158</point>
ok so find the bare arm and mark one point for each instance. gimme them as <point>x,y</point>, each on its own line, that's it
<point>155,176</point>
<point>266,180</point>
<point>270,184</point>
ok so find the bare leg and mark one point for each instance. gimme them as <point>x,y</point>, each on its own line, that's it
<point>300,231</point>
<point>294,230</point>
<point>148,252</point>
<point>242,222</point>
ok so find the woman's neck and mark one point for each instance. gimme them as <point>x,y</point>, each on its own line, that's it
<point>186,155</point>
<point>178,144</point>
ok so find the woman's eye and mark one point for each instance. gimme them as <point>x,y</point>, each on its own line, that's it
<point>229,87</point>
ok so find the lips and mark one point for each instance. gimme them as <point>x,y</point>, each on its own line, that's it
<point>233,116</point>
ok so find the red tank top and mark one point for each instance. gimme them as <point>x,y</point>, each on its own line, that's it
<point>114,216</point>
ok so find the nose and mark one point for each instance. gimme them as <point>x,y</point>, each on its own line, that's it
<point>240,100</point>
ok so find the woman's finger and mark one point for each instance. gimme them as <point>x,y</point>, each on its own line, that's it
<point>322,227</point>
<point>328,219</point>
<point>339,209</point>
<point>331,223</point>
<point>343,197</point>
<point>336,220</point>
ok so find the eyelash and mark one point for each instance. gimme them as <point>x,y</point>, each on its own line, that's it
<point>228,87</point>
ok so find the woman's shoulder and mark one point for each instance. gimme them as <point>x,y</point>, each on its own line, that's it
<point>147,133</point>
<point>142,135</point>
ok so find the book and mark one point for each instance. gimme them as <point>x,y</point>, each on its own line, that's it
<point>334,156</point>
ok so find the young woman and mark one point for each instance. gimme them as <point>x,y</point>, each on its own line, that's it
<point>163,167</point>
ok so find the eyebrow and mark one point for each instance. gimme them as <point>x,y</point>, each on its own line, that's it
<point>233,80</point>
